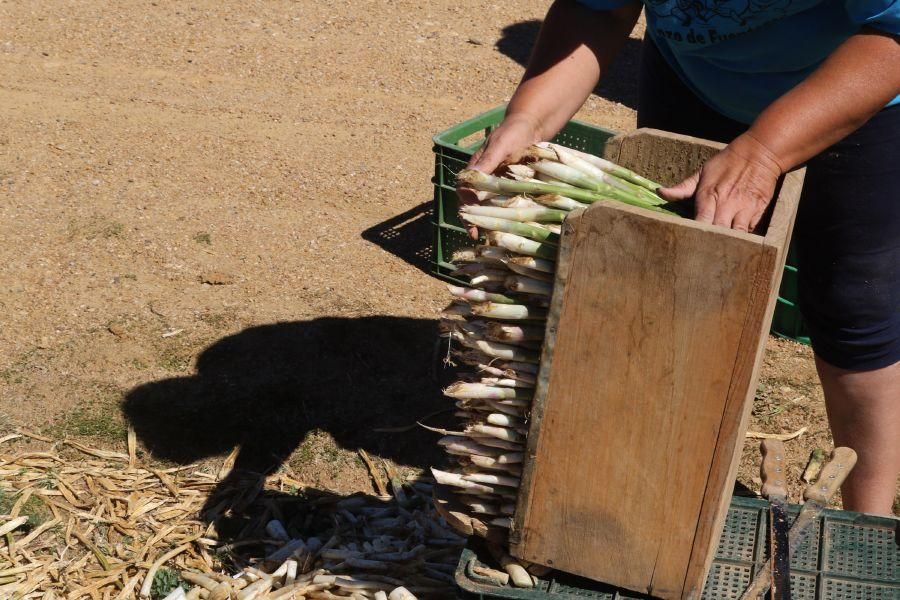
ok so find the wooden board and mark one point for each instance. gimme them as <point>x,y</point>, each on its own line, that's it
<point>655,336</point>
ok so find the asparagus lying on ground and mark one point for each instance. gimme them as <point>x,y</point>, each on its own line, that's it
<point>496,324</point>
<point>376,550</point>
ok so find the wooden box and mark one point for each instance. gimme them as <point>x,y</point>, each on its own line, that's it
<point>655,336</point>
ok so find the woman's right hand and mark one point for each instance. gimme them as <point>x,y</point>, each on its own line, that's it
<point>514,134</point>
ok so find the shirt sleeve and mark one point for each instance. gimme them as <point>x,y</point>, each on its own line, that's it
<point>606,4</point>
<point>880,14</point>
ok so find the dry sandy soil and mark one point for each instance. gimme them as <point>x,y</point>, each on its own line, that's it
<point>214,219</point>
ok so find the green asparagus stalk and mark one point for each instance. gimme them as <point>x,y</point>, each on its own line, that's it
<point>613,169</point>
<point>538,234</point>
<point>522,245</point>
<point>584,180</point>
<point>567,157</point>
<point>482,181</point>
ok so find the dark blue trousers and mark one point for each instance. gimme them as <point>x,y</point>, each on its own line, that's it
<point>847,234</point>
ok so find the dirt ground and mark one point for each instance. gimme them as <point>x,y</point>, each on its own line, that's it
<point>215,220</point>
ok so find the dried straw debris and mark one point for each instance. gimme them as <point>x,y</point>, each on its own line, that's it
<point>108,528</point>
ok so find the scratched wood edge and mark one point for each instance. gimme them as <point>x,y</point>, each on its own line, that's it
<point>518,535</point>
<point>739,407</point>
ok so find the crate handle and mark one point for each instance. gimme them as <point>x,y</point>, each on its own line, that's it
<point>485,122</point>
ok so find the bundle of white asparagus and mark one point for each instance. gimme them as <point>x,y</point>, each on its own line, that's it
<point>496,323</point>
<point>376,550</point>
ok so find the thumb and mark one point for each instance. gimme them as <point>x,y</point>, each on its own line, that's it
<point>684,190</point>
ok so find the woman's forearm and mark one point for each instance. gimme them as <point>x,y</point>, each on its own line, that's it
<point>734,187</point>
<point>853,84</point>
<point>574,49</point>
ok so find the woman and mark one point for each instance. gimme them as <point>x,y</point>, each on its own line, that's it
<point>784,83</point>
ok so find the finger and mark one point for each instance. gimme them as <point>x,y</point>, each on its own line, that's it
<point>756,218</point>
<point>475,158</point>
<point>742,219</point>
<point>683,190</point>
<point>473,232</point>
<point>725,213</point>
<point>705,206</point>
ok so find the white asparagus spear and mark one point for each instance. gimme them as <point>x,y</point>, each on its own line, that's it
<point>477,390</point>
<point>515,333</point>
<point>506,351</point>
<point>526,285</point>
<point>522,245</point>
<point>562,185</point>
<point>527,272</point>
<point>479,295</point>
<point>514,202</point>
<point>494,431</point>
<point>559,202</point>
<point>542,214</point>
<point>492,253</point>
<point>514,411</point>
<point>510,458</point>
<point>504,420</point>
<point>535,263</point>
<point>497,443</point>
<point>493,479</point>
<point>565,174</point>
<point>456,480</point>
<point>401,593</point>
<point>467,446</point>
<point>508,312</point>
<point>523,171</point>
<point>507,382</point>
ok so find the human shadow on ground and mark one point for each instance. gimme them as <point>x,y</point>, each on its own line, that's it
<point>408,235</point>
<point>620,84</point>
<point>264,388</point>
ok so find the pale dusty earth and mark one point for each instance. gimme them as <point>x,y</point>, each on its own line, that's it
<point>214,224</point>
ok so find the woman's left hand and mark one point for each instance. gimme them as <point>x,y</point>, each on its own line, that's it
<point>734,187</point>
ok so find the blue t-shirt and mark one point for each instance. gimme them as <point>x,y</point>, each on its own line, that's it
<point>741,55</point>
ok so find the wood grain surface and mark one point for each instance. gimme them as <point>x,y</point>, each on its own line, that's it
<point>654,341</point>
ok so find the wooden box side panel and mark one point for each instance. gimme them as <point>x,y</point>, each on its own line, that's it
<point>648,326</point>
<point>736,418</point>
<point>668,158</point>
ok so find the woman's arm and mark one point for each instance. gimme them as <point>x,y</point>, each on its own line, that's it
<point>575,47</point>
<point>855,82</point>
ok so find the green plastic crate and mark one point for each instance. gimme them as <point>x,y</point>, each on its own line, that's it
<point>787,321</point>
<point>850,556</point>
<point>454,147</point>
